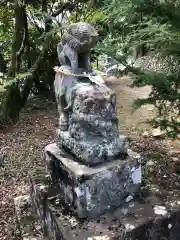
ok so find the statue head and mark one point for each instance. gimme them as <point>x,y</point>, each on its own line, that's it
<point>75,46</point>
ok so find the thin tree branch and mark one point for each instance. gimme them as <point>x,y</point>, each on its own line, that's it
<point>34,23</point>
<point>24,41</point>
<point>21,50</point>
<point>66,6</point>
<point>16,40</point>
<point>25,35</point>
<point>35,66</point>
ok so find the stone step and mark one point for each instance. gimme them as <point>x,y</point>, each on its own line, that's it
<point>155,217</point>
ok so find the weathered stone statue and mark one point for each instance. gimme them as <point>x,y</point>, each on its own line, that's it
<point>88,124</point>
<point>89,162</point>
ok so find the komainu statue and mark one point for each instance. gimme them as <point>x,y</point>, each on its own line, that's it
<point>88,125</point>
<point>90,166</point>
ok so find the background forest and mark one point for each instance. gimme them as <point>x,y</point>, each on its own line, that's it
<point>130,33</point>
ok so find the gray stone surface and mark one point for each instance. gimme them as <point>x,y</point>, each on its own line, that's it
<point>27,224</point>
<point>155,62</point>
<point>93,151</point>
<point>156,217</point>
<point>91,191</point>
<point>88,125</point>
<point>75,45</point>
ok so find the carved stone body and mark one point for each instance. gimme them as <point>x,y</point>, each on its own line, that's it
<point>88,125</point>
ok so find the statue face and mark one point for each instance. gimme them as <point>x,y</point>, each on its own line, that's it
<point>76,60</point>
<point>76,43</point>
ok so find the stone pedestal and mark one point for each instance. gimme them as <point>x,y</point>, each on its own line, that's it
<point>155,217</point>
<point>91,191</point>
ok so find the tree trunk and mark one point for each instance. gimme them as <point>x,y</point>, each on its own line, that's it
<point>24,41</point>
<point>17,38</point>
<point>29,81</point>
<point>2,63</point>
<point>12,102</point>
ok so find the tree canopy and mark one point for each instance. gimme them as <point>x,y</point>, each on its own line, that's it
<point>29,34</point>
<point>155,26</point>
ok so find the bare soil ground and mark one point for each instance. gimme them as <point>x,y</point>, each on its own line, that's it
<point>126,95</point>
<point>24,143</point>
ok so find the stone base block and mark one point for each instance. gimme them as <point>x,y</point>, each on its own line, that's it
<point>28,225</point>
<point>91,191</point>
<point>94,150</point>
<point>154,218</point>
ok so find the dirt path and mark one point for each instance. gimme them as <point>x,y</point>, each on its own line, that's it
<point>125,98</point>
<point>23,144</point>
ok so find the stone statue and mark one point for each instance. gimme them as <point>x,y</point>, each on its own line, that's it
<point>89,162</point>
<point>88,125</point>
<point>74,55</point>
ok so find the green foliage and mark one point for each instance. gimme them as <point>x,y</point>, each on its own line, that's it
<point>155,24</point>
<point>29,32</point>
<point>18,79</point>
<point>6,24</point>
<point>165,95</point>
